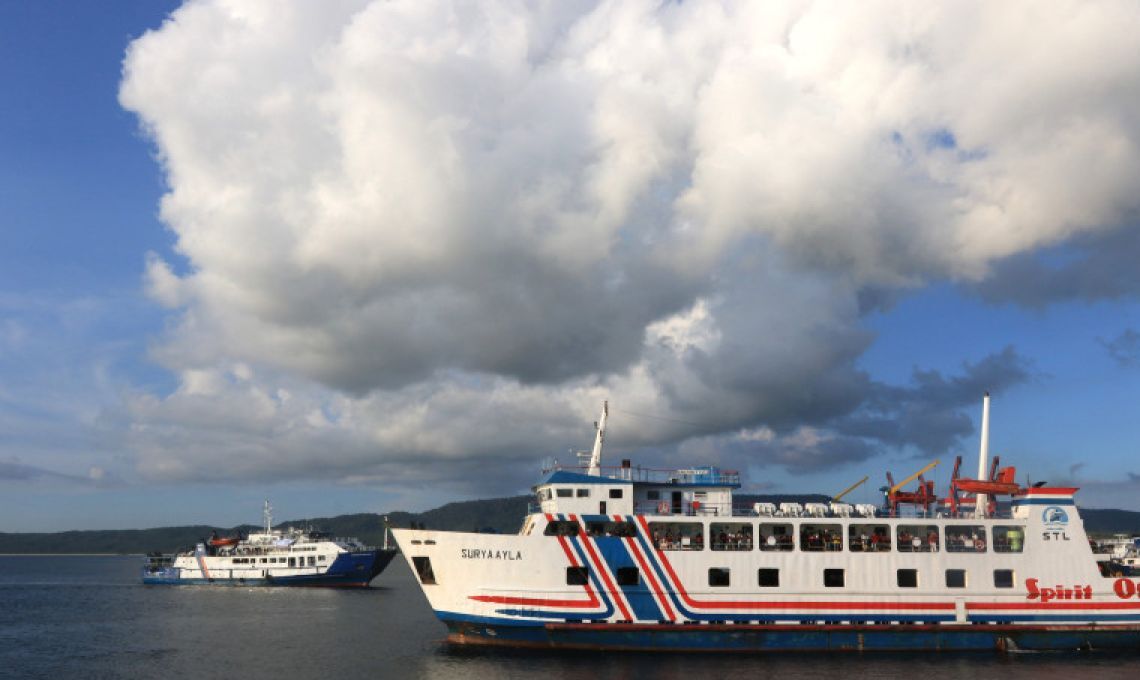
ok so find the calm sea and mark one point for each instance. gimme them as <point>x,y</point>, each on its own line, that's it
<point>88,617</point>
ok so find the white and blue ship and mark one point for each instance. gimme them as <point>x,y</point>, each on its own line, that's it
<point>630,558</point>
<point>271,557</point>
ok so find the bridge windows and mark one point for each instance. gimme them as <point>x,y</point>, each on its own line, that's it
<point>768,578</point>
<point>583,493</point>
<point>918,538</point>
<point>677,535</point>
<point>955,578</point>
<point>777,537</point>
<point>616,493</point>
<point>565,493</point>
<point>907,578</point>
<point>730,536</point>
<point>1009,539</point>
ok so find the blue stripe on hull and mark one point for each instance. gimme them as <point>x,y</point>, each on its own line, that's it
<point>773,638</point>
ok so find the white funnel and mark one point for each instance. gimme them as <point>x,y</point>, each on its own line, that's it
<point>983,456</point>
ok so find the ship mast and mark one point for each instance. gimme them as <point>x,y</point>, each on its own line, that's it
<point>267,513</point>
<point>594,468</point>
<point>983,455</point>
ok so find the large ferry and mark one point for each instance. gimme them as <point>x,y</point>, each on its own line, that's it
<point>631,558</point>
<point>272,557</point>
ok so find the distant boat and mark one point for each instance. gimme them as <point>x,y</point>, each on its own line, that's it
<point>631,558</point>
<point>272,557</point>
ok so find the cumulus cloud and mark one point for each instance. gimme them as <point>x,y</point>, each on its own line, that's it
<point>445,231</point>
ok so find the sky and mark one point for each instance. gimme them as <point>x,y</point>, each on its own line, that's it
<point>364,256</point>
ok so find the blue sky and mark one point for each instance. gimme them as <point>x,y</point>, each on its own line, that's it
<point>383,256</point>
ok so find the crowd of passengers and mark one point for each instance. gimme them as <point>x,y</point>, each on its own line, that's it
<point>733,540</point>
<point>668,540</point>
<point>821,539</point>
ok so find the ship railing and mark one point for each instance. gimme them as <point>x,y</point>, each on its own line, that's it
<point>706,476</point>
<point>729,510</point>
<point>686,508</point>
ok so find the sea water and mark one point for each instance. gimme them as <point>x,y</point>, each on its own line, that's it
<point>89,617</point>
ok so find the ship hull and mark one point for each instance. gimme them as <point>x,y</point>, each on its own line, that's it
<point>792,638</point>
<point>349,570</point>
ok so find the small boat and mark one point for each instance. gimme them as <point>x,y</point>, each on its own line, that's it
<point>289,557</point>
<point>631,558</point>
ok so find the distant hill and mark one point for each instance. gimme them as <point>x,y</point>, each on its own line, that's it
<point>503,515</point>
<point>1106,522</point>
<point>500,515</point>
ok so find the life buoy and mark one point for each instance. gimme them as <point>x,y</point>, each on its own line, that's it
<point>663,508</point>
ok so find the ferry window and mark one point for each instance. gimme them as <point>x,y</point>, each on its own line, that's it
<point>423,570</point>
<point>653,495</point>
<point>312,560</point>
<point>321,558</point>
<point>718,577</point>
<point>615,493</point>
<point>869,538</point>
<point>833,578</point>
<point>620,529</point>
<point>1009,539</point>
<point>628,576</point>
<point>1003,578</point>
<point>769,578</point>
<point>583,493</point>
<point>730,536</point>
<point>561,528</point>
<point>907,578</point>
<point>967,538</point>
<point>776,537</point>
<point>565,493</point>
<point>677,535</point>
<point>955,578</point>
<point>577,576</point>
<point>817,537</point>
<point>264,560</point>
<point>917,538</point>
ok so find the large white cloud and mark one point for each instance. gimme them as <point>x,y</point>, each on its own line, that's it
<point>444,231</point>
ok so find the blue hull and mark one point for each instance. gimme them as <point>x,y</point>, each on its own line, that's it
<point>795,638</point>
<point>350,570</point>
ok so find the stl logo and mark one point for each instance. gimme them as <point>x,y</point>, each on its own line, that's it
<point>1055,516</point>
